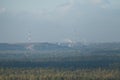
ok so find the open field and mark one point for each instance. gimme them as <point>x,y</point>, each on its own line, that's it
<point>90,67</point>
<point>87,63</point>
<point>58,74</point>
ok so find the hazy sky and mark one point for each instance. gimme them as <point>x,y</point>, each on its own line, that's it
<point>59,20</point>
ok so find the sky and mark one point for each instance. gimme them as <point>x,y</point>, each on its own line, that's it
<point>59,21</point>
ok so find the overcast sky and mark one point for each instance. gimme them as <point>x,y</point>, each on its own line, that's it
<point>59,20</point>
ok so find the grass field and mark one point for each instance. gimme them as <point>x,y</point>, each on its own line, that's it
<point>58,74</point>
<point>70,65</point>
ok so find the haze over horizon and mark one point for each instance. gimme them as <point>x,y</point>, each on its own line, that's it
<point>59,20</point>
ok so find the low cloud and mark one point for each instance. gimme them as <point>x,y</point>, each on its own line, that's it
<point>102,3</point>
<point>96,1</point>
<point>65,8</point>
<point>2,10</point>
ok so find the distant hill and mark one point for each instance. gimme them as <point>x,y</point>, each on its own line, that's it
<point>33,46</point>
<point>42,46</point>
<point>7,46</point>
<point>59,46</point>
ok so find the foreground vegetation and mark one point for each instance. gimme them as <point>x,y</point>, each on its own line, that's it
<point>58,74</point>
<point>86,67</point>
<point>60,65</point>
